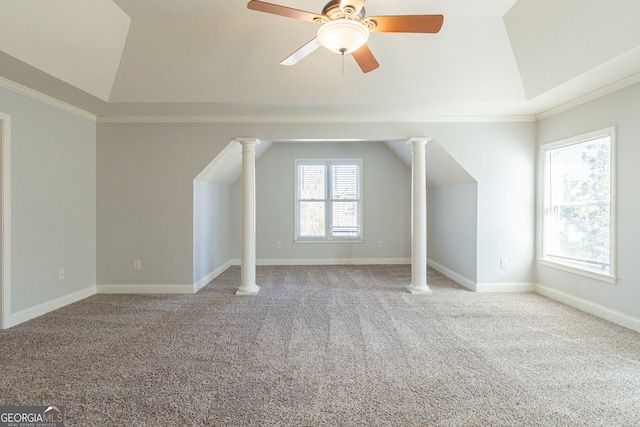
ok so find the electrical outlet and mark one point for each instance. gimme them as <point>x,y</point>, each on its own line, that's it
<point>278,245</point>
<point>137,265</point>
<point>504,263</point>
<point>61,273</point>
<point>379,243</point>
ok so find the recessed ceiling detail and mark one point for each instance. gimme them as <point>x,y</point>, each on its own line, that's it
<point>77,41</point>
<point>203,58</point>
<point>555,42</point>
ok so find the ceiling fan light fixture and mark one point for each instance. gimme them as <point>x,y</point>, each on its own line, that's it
<point>343,35</point>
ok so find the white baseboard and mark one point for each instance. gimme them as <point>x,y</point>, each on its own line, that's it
<point>483,287</point>
<point>145,289</point>
<point>330,261</point>
<point>590,307</point>
<point>164,288</point>
<point>506,287</point>
<point>209,277</point>
<point>44,308</point>
<point>467,283</point>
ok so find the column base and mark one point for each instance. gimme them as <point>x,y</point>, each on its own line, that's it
<point>252,290</point>
<point>421,291</point>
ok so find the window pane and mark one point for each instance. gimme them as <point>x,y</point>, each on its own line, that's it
<point>311,219</point>
<point>584,233</point>
<point>311,183</point>
<point>344,181</point>
<point>581,172</point>
<point>345,219</point>
<point>328,199</point>
<point>580,194</point>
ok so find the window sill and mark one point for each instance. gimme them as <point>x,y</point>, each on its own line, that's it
<point>328,240</point>
<point>571,269</point>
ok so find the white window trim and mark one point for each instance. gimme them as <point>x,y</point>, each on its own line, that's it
<point>587,273</point>
<point>327,238</point>
<point>543,182</point>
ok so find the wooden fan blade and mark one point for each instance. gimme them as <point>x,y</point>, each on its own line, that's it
<point>365,59</point>
<point>288,12</point>
<point>301,53</point>
<point>357,4</point>
<point>407,23</point>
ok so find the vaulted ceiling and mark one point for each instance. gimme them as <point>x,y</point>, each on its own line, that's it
<point>214,58</point>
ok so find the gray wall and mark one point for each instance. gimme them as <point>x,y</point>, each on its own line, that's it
<point>452,212</point>
<point>501,158</point>
<point>212,232</point>
<point>622,110</point>
<point>145,200</point>
<point>386,188</point>
<point>142,176</point>
<point>145,189</point>
<point>53,179</point>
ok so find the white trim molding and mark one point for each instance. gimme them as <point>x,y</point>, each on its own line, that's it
<point>545,219</point>
<point>146,289</point>
<point>506,287</point>
<point>322,118</point>
<point>485,286</point>
<point>613,87</point>
<point>46,99</point>
<point>590,307</point>
<point>467,283</point>
<point>330,261</point>
<point>5,237</point>
<point>209,277</point>
<point>166,288</point>
<point>587,273</point>
<point>46,307</point>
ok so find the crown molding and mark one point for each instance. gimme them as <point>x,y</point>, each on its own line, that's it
<point>46,99</point>
<point>312,119</point>
<point>591,96</point>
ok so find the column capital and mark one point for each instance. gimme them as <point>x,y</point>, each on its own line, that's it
<point>419,141</point>
<point>247,141</point>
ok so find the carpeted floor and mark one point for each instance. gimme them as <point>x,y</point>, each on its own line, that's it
<point>325,346</point>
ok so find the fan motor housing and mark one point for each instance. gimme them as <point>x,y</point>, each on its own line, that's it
<point>333,11</point>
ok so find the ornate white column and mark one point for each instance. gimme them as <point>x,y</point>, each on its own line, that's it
<point>419,218</point>
<point>248,267</point>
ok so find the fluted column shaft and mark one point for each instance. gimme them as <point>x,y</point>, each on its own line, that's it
<point>419,218</point>
<point>248,266</point>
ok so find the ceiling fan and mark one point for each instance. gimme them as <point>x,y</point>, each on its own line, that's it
<point>345,28</point>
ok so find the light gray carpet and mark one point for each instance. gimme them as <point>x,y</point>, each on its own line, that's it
<point>325,346</point>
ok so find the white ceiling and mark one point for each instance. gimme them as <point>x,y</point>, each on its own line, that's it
<point>217,58</point>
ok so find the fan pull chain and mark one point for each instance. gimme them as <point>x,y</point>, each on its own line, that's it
<point>342,51</point>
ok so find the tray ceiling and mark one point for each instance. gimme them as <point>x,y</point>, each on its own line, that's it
<point>214,58</point>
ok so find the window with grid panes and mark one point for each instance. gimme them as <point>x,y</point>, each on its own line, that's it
<point>578,203</point>
<point>328,200</point>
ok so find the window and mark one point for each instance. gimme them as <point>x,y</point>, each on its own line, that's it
<point>328,202</point>
<point>579,204</point>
